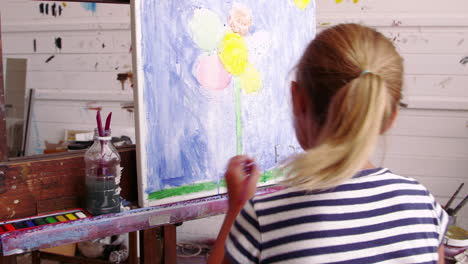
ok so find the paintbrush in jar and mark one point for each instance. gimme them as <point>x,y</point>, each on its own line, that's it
<point>453,196</point>
<point>108,121</point>
<point>453,212</point>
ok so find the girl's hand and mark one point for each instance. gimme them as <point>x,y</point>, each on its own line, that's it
<point>241,178</point>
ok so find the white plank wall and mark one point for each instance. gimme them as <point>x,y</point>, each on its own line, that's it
<point>82,74</point>
<point>428,142</point>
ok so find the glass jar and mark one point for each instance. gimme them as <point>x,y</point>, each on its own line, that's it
<point>103,172</point>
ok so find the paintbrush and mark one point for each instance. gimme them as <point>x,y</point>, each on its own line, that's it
<point>248,167</point>
<point>100,134</point>
<point>99,123</point>
<point>108,121</point>
<point>458,208</point>
<point>454,195</point>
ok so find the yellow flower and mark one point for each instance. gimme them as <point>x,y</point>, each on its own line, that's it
<point>233,53</point>
<point>251,79</point>
<point>302,4</point>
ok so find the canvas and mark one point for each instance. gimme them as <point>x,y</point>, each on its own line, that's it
<point>213,81</point>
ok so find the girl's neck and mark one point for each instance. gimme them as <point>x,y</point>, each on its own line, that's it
<point>368,165</point>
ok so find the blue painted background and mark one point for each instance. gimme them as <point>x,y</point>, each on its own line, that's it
<point>191,132</point>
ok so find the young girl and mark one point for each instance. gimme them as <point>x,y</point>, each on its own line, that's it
<point>336,207</point>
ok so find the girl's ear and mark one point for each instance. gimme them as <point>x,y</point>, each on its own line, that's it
<point>298,99</point>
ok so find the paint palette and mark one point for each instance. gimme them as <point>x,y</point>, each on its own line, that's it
<point>41,220</point>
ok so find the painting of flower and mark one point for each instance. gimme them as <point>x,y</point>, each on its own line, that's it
<point>213,83</point>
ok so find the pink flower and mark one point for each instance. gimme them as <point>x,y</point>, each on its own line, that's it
<point>240,19</point>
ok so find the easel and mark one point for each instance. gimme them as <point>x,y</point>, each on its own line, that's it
<point>38,184</point>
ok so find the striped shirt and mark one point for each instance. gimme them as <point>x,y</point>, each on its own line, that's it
<point>375,217</point>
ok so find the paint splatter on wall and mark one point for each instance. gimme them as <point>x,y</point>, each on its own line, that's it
<point>58,43</point>
<point>216,84</point>
<point>56,9</point>
<point>464,61</point>
<point>90,7</point>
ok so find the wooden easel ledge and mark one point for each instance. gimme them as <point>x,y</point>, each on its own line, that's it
<point>18,242</point>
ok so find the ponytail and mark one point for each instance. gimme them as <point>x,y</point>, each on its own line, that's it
<point>357,114</point>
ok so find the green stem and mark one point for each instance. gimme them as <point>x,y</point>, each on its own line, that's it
<point>267,176</point>
<point>237,89</point>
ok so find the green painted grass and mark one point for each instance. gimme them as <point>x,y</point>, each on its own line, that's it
<point>205,186</point>
<point>183,190</point>
<point>270,175</point>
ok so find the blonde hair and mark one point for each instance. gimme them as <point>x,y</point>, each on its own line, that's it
<point>353,77</point>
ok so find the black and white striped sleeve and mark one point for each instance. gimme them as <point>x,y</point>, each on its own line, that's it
<point>243,244</point>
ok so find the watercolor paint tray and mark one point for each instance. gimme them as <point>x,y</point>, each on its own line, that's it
<point>42,220</point>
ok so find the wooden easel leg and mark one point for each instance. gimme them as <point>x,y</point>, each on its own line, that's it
<point>36,257</point>
<point>133,248</point>
<point>8,259</point>
<point>150,246</point>
<point>170,244</point>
